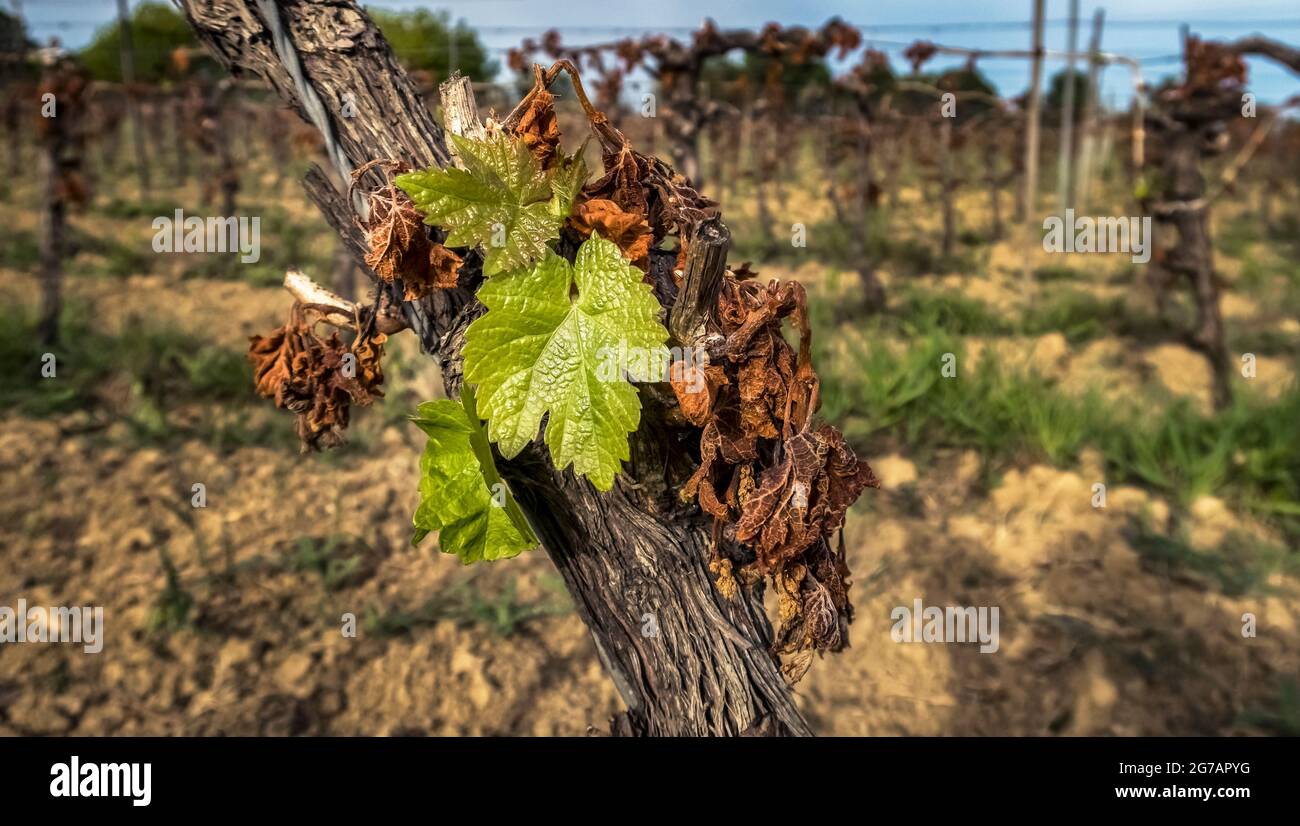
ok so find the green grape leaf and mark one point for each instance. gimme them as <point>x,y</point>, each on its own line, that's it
<point>502,201</point>
<point>567,177</point>
<point>544,348</point>
<point>459,493</point>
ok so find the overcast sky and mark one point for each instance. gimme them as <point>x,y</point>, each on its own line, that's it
<point>1146,29</point>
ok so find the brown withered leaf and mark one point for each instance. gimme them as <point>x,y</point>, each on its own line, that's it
<point>368,372</point>
<point>316,378</point>
<point>696,387</point>
<point>784,484</point>
<point>721,449</point>
<point>764,391</point>
<point>445,265</point>
<point>814,610</point>
<point>396,237</point>
<point>821,619</point>
<point>538,128</point>
<point>622,181</point>
<point>775,386</point>
<point>763,376</point>
<point>400,247</point>
<point>628,230</point>
<point>803,498</point>
<point>271,357</point>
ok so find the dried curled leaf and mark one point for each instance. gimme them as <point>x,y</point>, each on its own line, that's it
<point>696,388</point>
<point>775,385</point>
<point>647,186</point>
<point>400,247</point>
<point>785,484</point>
<point>316,378</point>
<point>623,181</point>
<point>538,128</point>
<point>814,609</point>
<point>445,264</point>
<point>804,497</point>
<point>628,230</point>
<point>765,392</point>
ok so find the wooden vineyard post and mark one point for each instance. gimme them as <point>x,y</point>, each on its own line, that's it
<point>1033,117</point>
<point>1065,164</point>
<point>132,101</point>
<point>1088,130</point>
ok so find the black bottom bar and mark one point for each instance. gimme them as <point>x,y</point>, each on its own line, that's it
<point>493,776</point>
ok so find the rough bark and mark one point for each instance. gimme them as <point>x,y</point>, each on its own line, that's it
<point>685,660</point>
<point>1187,127</point>
<point>1184,215</point>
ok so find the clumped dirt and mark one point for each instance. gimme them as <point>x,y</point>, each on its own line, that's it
<point>85,523</point>
<point>1093,639</point>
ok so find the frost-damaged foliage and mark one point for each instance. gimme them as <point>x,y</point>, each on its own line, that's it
<point>679,66</point>
<point>784,484</point>
<point>461,495</point>
<point>572,297</point>
<point>399,245</point>
<point>629,230</point>
<point>314,377</point>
